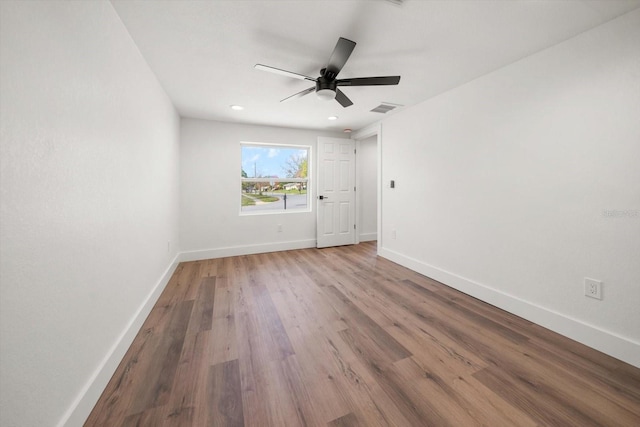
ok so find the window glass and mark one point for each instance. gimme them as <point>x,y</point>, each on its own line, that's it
<point>274,178</point>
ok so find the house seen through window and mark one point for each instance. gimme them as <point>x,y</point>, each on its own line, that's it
<point>274,178</point>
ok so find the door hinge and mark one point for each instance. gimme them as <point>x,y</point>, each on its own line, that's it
<point>354,226</point>
<point>354,188</point>
<point>354,151</point>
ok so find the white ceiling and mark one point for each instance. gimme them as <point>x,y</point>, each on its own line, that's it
<point>203,52</point>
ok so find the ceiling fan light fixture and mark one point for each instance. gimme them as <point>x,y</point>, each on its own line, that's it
<point>326,94</point>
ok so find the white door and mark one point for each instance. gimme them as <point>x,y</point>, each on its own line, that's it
<point>336,192</point>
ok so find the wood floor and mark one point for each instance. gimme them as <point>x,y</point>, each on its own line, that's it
<point>340,337</point>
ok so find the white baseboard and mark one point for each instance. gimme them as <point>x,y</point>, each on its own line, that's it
<point>611,344</point>
<point>82,406</point>
<point>614,345</point>
<point>367,237</point>
<point>246,250</point>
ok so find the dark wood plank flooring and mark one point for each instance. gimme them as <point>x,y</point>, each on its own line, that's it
<point>341,337</point>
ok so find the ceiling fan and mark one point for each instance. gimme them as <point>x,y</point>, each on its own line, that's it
<point>326,86</point>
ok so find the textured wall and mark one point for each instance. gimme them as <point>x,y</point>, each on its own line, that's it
<point>510,179</point>
<point>89,198</point>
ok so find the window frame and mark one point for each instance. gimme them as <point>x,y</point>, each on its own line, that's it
<point>306,180</point>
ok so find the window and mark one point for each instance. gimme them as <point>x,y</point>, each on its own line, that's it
<point>274,178</point>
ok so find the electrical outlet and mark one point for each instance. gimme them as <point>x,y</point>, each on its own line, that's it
<point>168,245</point>
<point>393,233</point>
<point>279,228</point>
<point>592,288</point>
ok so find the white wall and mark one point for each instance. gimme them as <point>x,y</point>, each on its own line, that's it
<point>89,148</point>
<point>210,224</point>
<point>509,177</point>
<point>367,192</point>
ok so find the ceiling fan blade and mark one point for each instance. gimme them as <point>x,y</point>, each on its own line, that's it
<point>283,72</point>
<point>369,81</point>
<point>343,99</point>
<point>339,57</point>
<point>299,94</point>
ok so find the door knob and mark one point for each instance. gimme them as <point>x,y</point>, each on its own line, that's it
<point>322,197</point>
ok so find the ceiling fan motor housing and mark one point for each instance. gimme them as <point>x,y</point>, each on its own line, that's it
<point>325,89</point>
<point>323,83</point>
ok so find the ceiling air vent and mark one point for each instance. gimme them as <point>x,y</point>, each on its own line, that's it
<point>385,107</point>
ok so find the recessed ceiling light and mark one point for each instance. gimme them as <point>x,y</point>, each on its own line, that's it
<point>333,117</point>
<point>237,107</point>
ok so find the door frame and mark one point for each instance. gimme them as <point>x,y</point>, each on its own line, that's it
<point>364,133</point>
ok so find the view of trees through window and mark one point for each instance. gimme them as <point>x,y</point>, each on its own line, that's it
<point>274,178</point>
